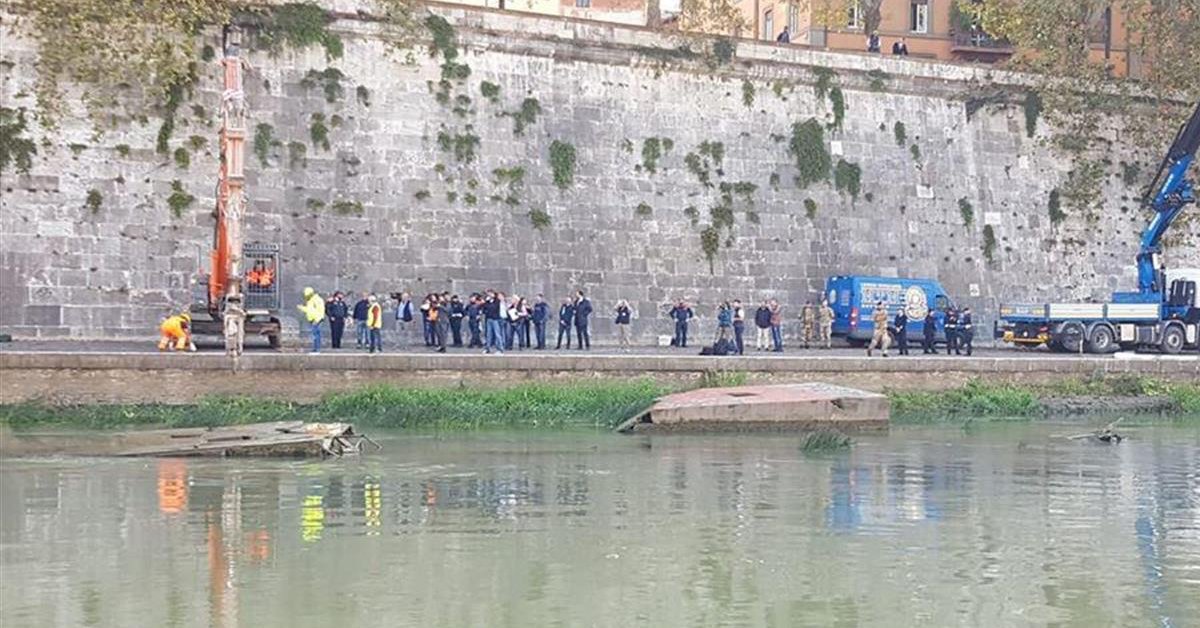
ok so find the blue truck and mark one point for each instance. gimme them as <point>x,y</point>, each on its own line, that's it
<point>853,298</point>
<point>1162,314</point>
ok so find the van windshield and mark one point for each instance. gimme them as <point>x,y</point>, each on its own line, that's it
<point>941,303</point>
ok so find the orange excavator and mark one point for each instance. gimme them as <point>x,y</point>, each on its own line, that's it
<point>226,303</point>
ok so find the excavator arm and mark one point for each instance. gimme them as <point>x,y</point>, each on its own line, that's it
<point>1169,192</point>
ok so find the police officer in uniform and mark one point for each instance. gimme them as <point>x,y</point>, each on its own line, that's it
<point>951,331</point>
<point>966,331</point>
<point>808,319</point>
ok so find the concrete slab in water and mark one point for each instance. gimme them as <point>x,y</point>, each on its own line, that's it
<point>780,407</point>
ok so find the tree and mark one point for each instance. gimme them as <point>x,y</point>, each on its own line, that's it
<point>722,17</point>
<point>835,13</point>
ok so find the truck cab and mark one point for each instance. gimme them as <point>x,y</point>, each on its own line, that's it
<point>853,297</point>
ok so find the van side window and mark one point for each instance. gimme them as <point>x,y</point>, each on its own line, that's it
<point>941,303</point>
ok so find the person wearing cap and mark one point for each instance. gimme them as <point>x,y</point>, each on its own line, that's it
<point>176,333</point>
<point>374,324</point>
<point>880,337</point>
<point>314,312</point>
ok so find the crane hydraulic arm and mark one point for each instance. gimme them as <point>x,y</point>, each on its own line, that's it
<point>1170,191</point>
<point>225,289</point>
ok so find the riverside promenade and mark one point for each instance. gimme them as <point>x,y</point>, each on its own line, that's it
<point>126,372</point>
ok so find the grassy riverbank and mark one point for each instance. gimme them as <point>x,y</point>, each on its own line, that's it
<point>979,399</point>
<point>601,404</point>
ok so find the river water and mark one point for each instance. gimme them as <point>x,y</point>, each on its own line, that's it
<point>1003,525</point>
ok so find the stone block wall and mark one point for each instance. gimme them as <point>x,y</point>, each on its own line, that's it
<point>389,206</point>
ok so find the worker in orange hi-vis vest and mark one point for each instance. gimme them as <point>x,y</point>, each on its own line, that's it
<point>177,333</point>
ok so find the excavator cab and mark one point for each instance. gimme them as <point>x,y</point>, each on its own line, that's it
<point>261,297</point>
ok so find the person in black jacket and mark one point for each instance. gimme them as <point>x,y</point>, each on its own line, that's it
<point>362,335</point>
<point>583,312</point>
<point>929,333</point>
<point>539,316</point>
<point>682,314</point>
<point>901,325</point>
<point>474,311</point>
<point>336,310</point>
<point>566,319</point>
<point>952,332</point>
<point>457,312</point>
<point>623,318</point>
<point>966,331</point>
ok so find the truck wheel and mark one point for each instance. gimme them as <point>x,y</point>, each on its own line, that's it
<point>1071,337</point>
<point>1172,340</point>
<point>1101,340</point>
<point>274,341</point>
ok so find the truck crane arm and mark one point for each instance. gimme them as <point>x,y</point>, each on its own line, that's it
<point>1169,192</point>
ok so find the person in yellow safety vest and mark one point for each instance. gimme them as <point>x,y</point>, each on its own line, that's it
<point>176,333</point>
<point>880,338</point>
<point>314,313</point>
<point>375,324</point>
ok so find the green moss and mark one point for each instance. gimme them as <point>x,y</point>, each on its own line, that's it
<point>824,441</point>
<point>779,87</point>
<point>692,214</point>
<point>1033,110</point>
<point>512,177</point>
<point>329,80</point>
<point>877,80</point>
<point>462,145</point>
<point>900,133</point>
<point>652,150</point>
<point>722,214</point>
<point>810,208</point>
<point>989,243</point>
<point>314,204</point>
<point>526,115</point>
<point>183,158</point>
<point>539,219</point>
<point>1130,173</point>
<point>774,180</point>
<point>264,138</point>
<point>76,148</point>
<point>451,196</point>
<point>807,148</point>
<point>714,150</point>
<point>915,151</point>
<point>179,200</point>
<point>747,93</point>
<point>710,244</point>
<point>94,200</point>
<point>723,51</point>
<point>643,210</point>
<point>297,155</point>
<point>837,102</point>
<point>421,195</point>
<point>16,150</point>
<point>490,91</point>
<point>562,163</point>
<point>207,53</point>
<point>296,25</point>
<point>347,208</point>
<point>198,142</point>
<point>847,177</point>
<point>363,95</point>
<point>318,132</point>
<point>177,92</point>
<point>470,199</point>
<point>1054,204</point>
<point>123,150</point>
<point>967,211</point>
<point>443,37</point>
<point>199,112</point>
<point>626,145</point>
<point>698,166</point>
<point>752,217</point>
<point>824,80</point>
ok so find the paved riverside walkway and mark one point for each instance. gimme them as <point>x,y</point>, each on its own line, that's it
<point>132,372</point>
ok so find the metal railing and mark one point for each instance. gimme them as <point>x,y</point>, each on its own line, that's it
<point>980,39</point>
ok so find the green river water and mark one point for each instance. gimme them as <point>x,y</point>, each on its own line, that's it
<point>1002,525</point>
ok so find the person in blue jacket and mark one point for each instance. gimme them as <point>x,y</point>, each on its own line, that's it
<point>681,314</point>
<point>566,320</point>
<point>539,316</point>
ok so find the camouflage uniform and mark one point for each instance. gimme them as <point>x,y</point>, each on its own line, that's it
<point>808,318</point>
<point>825,324</point>
<point>880,338</point>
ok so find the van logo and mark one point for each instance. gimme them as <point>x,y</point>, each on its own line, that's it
<point>916,305</point>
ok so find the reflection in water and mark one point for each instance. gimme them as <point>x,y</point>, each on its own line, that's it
<point>1001,526</point>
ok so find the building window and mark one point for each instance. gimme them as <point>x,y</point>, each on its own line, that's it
<point>768,25</point>
<point>583,4</point>
<point>855,16</point>
<point>793,19</point>
<point>919,17</point>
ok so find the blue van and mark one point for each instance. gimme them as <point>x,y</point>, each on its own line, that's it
<point>853,298</point>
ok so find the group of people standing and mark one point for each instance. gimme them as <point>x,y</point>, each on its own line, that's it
<point>494,321</point>
<point>959,328</point>
<point>816,322</point>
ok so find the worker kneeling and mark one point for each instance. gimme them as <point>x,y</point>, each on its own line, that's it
<point>177,333</point>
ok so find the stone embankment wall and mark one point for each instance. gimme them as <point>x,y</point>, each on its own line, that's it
<point>558,155</point>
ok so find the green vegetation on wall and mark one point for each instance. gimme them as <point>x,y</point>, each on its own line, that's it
<point>1054,205</point>
<point>900,133</point>
<point>810,208</point>
<point>747,93</point>
<point>179,200</point>
<point>297,155</point>
<point>989,243</point>
<point>264,139</point>
<point>329,80</point>
<point>526,115</point>
<point>878,80</point>
<point>297,25</point>
<point>847,177</point>
<point>363,95</point>
<point>562,163</point>
<point>318,132</point>
<point>176,94</point>
<point>539,219</point>
<point>183,158</point>
<point>653,149</point>
<point>344,207</point>
<point>16,150</point>
<point>1033,109</point>
<point>837,102</point>
<point>643,210</point>
<point>807,148</point>
<point>94,200</point>
<point>461,145</point>
<point>967,212</point>
<point>490,91</point>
